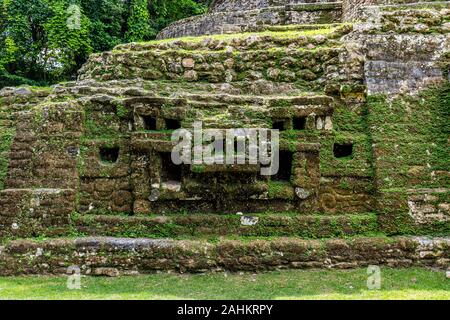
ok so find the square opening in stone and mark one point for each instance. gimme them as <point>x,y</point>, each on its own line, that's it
<point>109,155</point>
<point>343,150</point>
<point>150,123</point>
<point>169,170</point>
<point>285,167</point>
<point>299,123</point>
<point>172,124</point>
<point>279,125</point>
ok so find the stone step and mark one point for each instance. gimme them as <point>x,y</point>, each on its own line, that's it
<point>271,101</point>
<point>224,111</point>
<point>248,20</point>
<point>114,256</point>
<point>411,4</point>
<point>278,65</point>
<point>212,225</point>
<point>268,37</point>
<point>344,27</point>
<point>234,5</point>
<point>405,17</point>
<point>110,91</point>
<point>216,110</point>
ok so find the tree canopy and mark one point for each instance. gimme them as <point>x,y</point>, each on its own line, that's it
<point>46,41</point>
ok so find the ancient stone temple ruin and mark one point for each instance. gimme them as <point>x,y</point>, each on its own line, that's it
<point>358,89</point>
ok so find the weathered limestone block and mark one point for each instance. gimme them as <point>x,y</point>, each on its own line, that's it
<point>32,211</point>
<point>428,205</point>
<point>402,48</point>
<point>105,195</point>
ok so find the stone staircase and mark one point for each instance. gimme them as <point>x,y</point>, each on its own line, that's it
<point>38,188</point>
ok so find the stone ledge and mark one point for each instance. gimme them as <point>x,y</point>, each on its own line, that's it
<point>149,255</point>
<point>207,225</point>
<point>233,5</point>
<point>247,20</point>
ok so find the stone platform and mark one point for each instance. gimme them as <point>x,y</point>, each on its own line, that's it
<point>115,256</point>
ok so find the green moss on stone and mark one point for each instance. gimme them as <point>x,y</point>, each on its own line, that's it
<point>6,138</point>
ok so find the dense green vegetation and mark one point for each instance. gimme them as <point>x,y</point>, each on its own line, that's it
<point>45,41</point>
<point>414,283</point>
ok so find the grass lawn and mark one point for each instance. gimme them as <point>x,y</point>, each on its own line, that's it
<point>414,283</point>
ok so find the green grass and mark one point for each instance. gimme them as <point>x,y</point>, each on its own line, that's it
<point>414,283</point>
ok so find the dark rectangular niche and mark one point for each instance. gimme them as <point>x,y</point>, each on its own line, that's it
<point>285,167</point>
<point>343,150</point>
<point>299,123</point>
<point>109,155</point>
<point>150,123</point>
<point>279,125</point>
<point>172,124</point>
<point>169,170</point>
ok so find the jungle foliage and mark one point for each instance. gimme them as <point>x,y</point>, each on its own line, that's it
<point>46,41</point>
